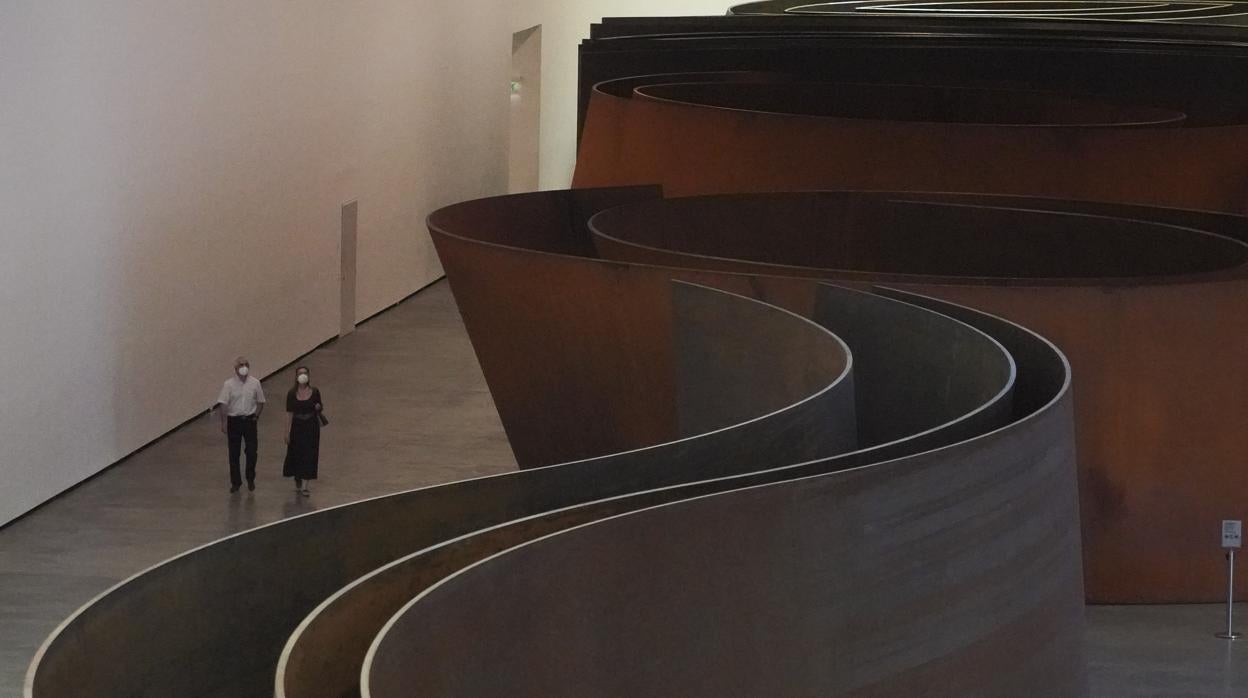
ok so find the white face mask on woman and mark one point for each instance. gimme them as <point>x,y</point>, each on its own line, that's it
<point>302,378</point>
<point>243,371</point>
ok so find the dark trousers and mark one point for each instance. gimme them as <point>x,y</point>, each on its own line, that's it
<point>238,430</point>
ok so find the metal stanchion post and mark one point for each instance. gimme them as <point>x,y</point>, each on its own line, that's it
<point>1230,633</point>
<point>1231,537</point>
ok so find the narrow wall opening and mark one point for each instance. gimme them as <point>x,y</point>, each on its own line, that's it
<point>525,112</point>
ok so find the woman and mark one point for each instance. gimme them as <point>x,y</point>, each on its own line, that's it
<point>303,441</point>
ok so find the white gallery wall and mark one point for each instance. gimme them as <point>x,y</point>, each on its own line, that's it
<point>564,24</point>
<point>171,176</point>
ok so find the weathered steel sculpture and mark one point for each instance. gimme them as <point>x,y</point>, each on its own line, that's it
<point>949,572</point>
<point>1153,317</point>
<point>903,406</point>
<point>739,478</point>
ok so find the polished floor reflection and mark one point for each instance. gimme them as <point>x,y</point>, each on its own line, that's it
<point>408,407</point>
<point>1166,651</point>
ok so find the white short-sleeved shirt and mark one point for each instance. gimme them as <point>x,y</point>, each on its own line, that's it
<point>240,397</point>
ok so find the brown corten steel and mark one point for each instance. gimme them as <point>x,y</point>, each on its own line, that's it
<point>523,302</point>
<point>213,621</point>
<point>1161,381</point>
<point>693,148</point>
<point>513,352</point>
<point>922,351</point>
<point>947,573</point>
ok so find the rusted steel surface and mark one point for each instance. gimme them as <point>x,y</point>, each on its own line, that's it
<point>1162,390</point>
<point>693,148</point>
<point>902,235</point>
<point>213,622</point>
<point>913,365</point>
<point>1196,70</point>
<point>742,361</point>
<point>930,104</point>
<point>325,656</point>
<point>1100,284</point>
<point>604,313</point>
<point>951,572</point>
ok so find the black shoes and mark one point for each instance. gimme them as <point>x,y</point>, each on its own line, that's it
<point>234,488</point>
<point>251,485</point>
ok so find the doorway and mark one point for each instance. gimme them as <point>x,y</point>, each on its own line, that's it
<point>346,275</point>
<point>525,112</point>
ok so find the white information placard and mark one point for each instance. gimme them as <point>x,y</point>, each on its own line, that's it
<point>1232,533</point>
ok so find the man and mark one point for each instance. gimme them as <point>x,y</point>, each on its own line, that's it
<point>240,404</point>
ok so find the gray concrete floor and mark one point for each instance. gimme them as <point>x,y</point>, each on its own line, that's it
<point>409,407</point>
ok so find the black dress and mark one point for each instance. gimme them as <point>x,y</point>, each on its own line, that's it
<point>305,436</point>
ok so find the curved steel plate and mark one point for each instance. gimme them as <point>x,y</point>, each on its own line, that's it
<point>324,656</point>
<point>213,621</point>
<point>702,148</point>
<point>1152,316</point>
<point>951,572</point>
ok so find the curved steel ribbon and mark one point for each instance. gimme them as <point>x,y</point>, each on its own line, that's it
<point>1192,12</point>
<point>952,571</point>
<point>1151,315</point>
<point>213,621</point>
<point>725,137</point>
<point>905,357</point>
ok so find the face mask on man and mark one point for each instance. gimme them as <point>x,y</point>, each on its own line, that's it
<point>302,378</point>
<point>243,371</point>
